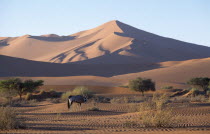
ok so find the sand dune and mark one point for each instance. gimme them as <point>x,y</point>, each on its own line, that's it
<point>174,73</point>
<point>11,66</point>
<point>108,55</point>
<point>111,43</point>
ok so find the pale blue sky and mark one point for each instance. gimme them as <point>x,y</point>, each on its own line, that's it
<point>186,20</point>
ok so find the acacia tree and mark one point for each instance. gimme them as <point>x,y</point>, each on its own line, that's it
<point>201,82</point>
<point>142,85</point>
<point>8,88</point>
<point>28,86</point>
<point>16,86</point>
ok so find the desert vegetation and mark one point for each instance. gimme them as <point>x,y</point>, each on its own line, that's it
<point>200,82</point>
<point>80,90</point>
<point>141,85</point>
<point>14,86</point>
<point>9,119</point>
<point>133,111</point>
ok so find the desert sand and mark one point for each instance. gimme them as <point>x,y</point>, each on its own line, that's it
<point>104,59</point>
<point>48,117</point>
<point>112,43</point>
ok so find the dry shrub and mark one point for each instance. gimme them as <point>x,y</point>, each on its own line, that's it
<point>84,91</point>
<point>8,119</point>
<point>119,100</point>
<point>156,113</point>
<point>133,107</point>
<point>146,106</point>
<point>28,96</point>
<point>160,101</point>
<point>77,91</point>
<point>32,102</point>
<point>188,99</point>
<point>137,99</point>
<point>198,98</point>
<point>159,118</point>
<point>65,95</point>
<point>180,99</point>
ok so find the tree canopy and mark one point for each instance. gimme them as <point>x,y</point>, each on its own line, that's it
<point>142,85</point>
<point>201,82</point>
<point>14,86</point>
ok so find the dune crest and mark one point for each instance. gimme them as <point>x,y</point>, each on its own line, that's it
<point>110,43</point>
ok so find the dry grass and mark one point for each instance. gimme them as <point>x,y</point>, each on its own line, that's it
<point>8,119</point>
<point>156,113</point>
<point>118,100</point>
<point>77,91</point>
<point>159,118</point>
<point>188,99</point>
<point>133,107</point>
<point>28,96</point>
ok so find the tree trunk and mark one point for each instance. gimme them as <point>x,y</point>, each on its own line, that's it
<point>142,93</point>
<point>20,96</point>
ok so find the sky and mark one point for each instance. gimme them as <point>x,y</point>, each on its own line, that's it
<point>186,20</point>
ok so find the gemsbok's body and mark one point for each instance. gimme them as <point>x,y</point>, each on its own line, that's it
<point>78,99</point>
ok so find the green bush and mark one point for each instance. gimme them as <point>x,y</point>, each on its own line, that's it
<point>200,82</point>
<point>142,85</point>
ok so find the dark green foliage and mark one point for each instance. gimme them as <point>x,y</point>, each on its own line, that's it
<point>201,82</point>
<point>15,86</point>
<point>8,87</point>
<point>142,85</point>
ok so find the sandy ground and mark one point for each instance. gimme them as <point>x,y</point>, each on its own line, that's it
<point>108,55</point>
<point>46,117</point>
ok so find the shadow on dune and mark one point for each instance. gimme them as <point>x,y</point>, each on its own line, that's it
<point>11,67</point>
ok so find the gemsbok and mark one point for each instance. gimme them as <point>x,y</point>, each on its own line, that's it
<point>78,99</point>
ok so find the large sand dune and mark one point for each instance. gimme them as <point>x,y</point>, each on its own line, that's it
<point>108,55</point>
<point>111,43</point>
<point>165,73</point>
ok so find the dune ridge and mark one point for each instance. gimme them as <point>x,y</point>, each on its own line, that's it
<point>109,55</point>
<point>112,43</point>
